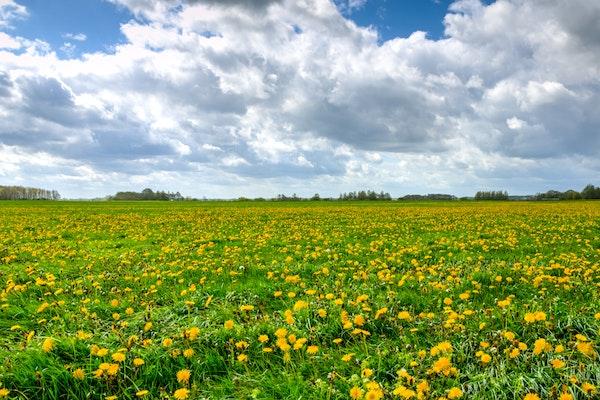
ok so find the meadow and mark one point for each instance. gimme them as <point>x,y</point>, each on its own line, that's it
<point>165,300</point>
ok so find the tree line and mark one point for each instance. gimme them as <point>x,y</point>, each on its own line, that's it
<point>27,193</point>
<point>147,194</point>
<point>588,192</point>
<point>491,195</point>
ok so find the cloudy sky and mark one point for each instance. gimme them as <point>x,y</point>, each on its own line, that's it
<point>227,98</point>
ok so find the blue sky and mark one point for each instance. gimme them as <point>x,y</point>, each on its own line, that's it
<point>54,20</point>
<point>98,96</point>
<point>99,20</point>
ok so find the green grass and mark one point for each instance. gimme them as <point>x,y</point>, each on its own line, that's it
<point>162,262</point>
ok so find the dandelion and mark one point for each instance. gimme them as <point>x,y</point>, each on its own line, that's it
<point>228,324</point>
<point>142,393</point>
<point>181,394</point>
<point>48,345</point>
<point>118,357</point>
<point>242,358</point>
<point>138,362</point>
<point>4,392</point>
<point>455,393</point>
<point>565,396</point>
<point>183,376</point>
<point>188,353</point>
<point>588,388</point>
<point>112,369</point>
<point>531,396</point>
<point>356,393</point>
<point>78,374</point>
<point>586,348</point>
<point>312,349</point>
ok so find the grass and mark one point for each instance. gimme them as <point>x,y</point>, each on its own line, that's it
<point>375,288</point>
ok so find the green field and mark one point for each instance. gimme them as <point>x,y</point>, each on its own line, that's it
<point>324,300</point>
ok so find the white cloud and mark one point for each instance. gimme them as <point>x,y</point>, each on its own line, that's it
<point>10,11</point>
<point>79,37</point>
<point>8,42</point>
<point>515,123</point>
<point>302,94</point>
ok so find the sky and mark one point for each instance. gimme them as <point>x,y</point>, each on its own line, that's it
<point>229,98</point>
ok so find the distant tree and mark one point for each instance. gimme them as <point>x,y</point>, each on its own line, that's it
<point>590,192</point>
<point>148,194</point>
<point>491,195</point>
<point>27,193</point>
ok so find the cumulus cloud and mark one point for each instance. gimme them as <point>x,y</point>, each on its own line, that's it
<point>10,11</point>
<point>304,96</point>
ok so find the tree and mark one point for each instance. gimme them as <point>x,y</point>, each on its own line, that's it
<point>590,192</point>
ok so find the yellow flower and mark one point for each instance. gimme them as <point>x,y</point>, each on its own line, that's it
<point>118,357</point>
<point>557,363</point>
<point>193,333</point>
<point>531,396</point>
<point>540,346</point>
<point>79,374</point>
<point>300,305</point>
<point>181,394</point>
<point>242,358</point>
<point>263,338</point>
<point>102,352</point>
<point>588,388</point>
<point>374,394</point>
<point>565,396</point>
<point>183,376</point>
<point>138,362</point>
<point>586,348</point>
<point>112,369</point>
<point>246,307</point>
<point>380,312</point>
<point>188,353</point>
<point>48,345</point>
<point>535,316</point>
<point>167,342</point>
<point>404,315</point>
<point>141,393</point>
<point>281,332</point>
<point>514,353</point>
<point>4,392</point>
<point>312,349</point>
<point>228,324</point>
<point>347,357</point>
<point>455,393</point>
<point>441,365</point>
<point>356,393</point>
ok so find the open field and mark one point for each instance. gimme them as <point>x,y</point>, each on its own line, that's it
<point>300,300</point>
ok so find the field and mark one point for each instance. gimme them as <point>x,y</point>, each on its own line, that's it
<point>300,300</point>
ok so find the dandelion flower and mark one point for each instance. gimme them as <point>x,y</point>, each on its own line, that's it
<point>181,394</point>
<point>183,376</point>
